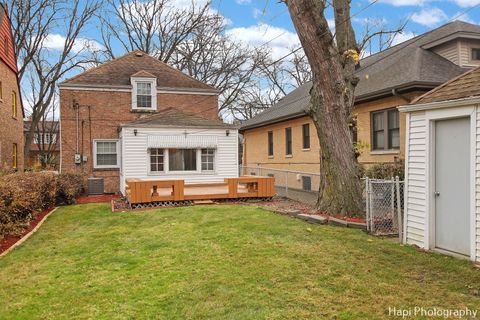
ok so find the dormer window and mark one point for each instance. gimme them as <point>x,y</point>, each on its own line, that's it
<point>144,91</point>
<point>476,54</point>
<point>144,95</point>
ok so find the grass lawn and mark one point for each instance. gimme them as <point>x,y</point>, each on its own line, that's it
<point>219,262</point>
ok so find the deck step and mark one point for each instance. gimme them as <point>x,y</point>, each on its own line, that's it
<point>203,202</point>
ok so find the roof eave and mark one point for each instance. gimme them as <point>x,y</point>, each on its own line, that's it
<point>439,104</point>
<point>146,125</point>
<point>273,121</point>
<point>421,85</point>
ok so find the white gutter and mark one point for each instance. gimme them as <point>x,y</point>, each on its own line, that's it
<point>439,104</point>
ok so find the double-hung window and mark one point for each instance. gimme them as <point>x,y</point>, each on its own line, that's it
<point>386,130</point>
<point>288,141</point>
<point>144,95</point>
<point>208,159</point>
<point>306,136</point>
<point>106,154</point>
<point>270,143</point>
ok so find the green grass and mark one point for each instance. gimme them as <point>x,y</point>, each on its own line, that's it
<point>219,262</point>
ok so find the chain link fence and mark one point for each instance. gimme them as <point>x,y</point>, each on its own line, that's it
<point>384,206</point>
<point>383,199</point>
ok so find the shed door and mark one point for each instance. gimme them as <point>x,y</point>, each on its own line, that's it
<point>452,185</point>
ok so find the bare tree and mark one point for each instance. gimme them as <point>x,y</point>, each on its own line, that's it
<point>33,23</point>
<point>46,136</point>
<point>333,62</point>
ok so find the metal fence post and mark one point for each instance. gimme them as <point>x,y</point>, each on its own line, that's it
<point>392,201</point>
<point>399,209</point>
<point>286,184</point>
<point>367,203</point>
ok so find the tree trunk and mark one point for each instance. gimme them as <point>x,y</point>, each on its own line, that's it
<point>333,66</point>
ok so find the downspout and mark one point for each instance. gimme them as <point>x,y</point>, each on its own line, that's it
<point>401,96</point>
<point>76,107</point>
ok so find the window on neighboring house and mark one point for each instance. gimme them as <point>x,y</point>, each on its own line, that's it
<point>106,154</point>
<point>386,130</point>
<point>46,138</point>
<point>475,53</point>
<point>306,183</point>
<point>14,156</point>
<point>208,159</point>
<point>306,136</point>
<point>14,104</point>
<point>288,141</point>
<point>182,159</point>
<point>270,143</point>
<point>157,160</point>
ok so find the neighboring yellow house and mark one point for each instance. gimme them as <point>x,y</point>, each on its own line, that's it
<point>284,137</point>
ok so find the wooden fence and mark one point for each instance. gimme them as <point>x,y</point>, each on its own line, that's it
<point>145,191</point>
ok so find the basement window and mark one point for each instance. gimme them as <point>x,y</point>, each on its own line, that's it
<point>476,54</point>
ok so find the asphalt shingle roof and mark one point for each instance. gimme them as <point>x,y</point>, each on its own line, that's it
<point>465,86</point>
<point>175,118</point>
<point>406,65</point>
<point>117,72</point>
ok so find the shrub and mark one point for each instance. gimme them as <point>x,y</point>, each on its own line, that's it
<point>69,186</point>
<point>24,194</point>
<point>386,170</point>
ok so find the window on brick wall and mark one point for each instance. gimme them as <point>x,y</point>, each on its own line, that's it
<point>306,136</point>
<point>106,154</point>
<point>144,94</point>
<point>386,130</point>
<point>14,156</point>
<point>14,104</point>
<point>288,141</point>
<point>270,143</point>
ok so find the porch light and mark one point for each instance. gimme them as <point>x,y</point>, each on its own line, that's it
<point>227,132</point>
<point>135,132</point>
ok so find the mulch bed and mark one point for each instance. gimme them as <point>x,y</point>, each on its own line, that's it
<point>10,240</point>
<point>97,199</point>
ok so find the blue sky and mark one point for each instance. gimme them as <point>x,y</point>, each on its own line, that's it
<point>257,21</point>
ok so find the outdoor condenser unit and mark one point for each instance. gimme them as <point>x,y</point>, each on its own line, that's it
<point>95,186</point>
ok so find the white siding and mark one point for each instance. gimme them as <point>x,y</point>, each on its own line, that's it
<point>477,183</point>
<point>466,53</point>
<point>415,202</point>
<point>135,158</point>
<point>449,51</point>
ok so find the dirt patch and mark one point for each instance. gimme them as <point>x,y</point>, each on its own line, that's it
<point>10,240</point>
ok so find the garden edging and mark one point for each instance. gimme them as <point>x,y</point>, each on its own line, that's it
<point>26,236</point>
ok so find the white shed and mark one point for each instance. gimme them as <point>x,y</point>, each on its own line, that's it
<point>173,145</point>
<point>442,163</point>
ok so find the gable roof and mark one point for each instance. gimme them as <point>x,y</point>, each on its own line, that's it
<point>117,72</point>
<point>464,86</point>
<point>408,65</point>
<point>175,118</point>
<point>7,56</point>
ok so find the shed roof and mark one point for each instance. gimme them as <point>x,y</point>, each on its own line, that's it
<point>408,65</point>
<point>175,118</point>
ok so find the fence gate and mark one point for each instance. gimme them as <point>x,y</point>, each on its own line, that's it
<point>384,206</point>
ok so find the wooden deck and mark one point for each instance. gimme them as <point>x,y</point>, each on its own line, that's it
<point>146,191</point>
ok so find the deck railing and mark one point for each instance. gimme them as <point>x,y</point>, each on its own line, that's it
<point>145,191</point>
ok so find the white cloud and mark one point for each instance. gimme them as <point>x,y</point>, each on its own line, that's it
<point>402,37</point>
<point>56,42</point>
<point>331,23</point>
<point>462,17</point>
<point>279,39</point>
<point>257,13</point>
<point>429,17</point>
<point>466,3</point>
<point>243,1</point>
<point>399,3</point>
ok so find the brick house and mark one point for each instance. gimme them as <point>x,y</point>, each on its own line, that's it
<point>45,146</point>
<point>137,117</point>
<point>283,137</point>
<point>11,108</point>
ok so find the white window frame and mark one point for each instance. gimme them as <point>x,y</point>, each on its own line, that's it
<point>153,81</point>
<point>166,164</point>
<point>95,165</point>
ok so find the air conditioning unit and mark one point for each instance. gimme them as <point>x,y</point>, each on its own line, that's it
<point>95,186</point>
